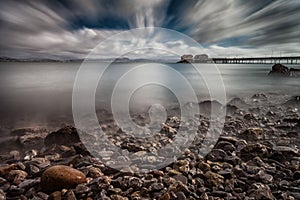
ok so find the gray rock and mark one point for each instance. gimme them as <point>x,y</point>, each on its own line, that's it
<point>181,196</point>
<point>279,69</point>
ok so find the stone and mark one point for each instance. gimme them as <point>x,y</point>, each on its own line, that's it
<point>296,175</point>
<point>15,191</point>
<point>65,136</point>
<point>181,178</point>
<point>181,196</point>
<point>94,172</point>
<point>279,69</point>
<point>253,134</point>
<point>82,189</point>
<point>42,195</point>
<point>17,176</point>
<point>181,166</point>
<point>261,191</point>
<point>259,97</point>
<point>216,155</point>
<point>55,196</point>
<point>2,195</point>
<point>165,196</point>
<point>61,177</point>
<point>156,187</point>
<point>28,183</point>
<point>118,197</point>
<point>6,169</point>
<point>214,179</point>
<point>173,172</point>
<point>253,150</point>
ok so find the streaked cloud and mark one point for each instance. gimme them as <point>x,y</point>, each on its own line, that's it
<point>72,28</point>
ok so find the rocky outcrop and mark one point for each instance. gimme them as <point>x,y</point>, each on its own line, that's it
<point>184,61</point>
<point>280,69</point>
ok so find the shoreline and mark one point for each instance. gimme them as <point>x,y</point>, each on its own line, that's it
<point>256,156</point>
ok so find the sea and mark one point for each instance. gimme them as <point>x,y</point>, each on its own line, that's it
<point>40,93</point>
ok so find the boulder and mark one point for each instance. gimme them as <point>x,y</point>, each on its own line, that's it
<point>279,69</point>
<point>65,136</point>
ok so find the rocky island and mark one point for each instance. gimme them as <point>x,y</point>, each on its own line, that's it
<point>281,70</point>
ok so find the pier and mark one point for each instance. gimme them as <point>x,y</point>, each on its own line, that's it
<point>258,60</point>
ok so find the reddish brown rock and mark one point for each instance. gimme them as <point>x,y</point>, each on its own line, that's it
<point>61,177</point>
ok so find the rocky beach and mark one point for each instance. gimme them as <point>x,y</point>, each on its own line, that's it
<point>256,157</point>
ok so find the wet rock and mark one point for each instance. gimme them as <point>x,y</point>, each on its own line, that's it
<point>204,166</point>
<point>249,116</point>
<point>2,195</point>
<point>181,178</point>
<point>260,191</point>
<point>226,146</point>
<point>15,155</point>
<point>135,183</point>
<point>82,189</point>
<point>182,166</point>
<point>14,191</point>
<point>259,97</point>
<point>65,136</point>
<point>173,172</point>
<point>32,140</point>
<point>60,177</point>
<point>296,175</point>
<point>70,195</point>
<point>6,169</point>
<point>118,197</point>
<point>41,196</point>
<point>156,187</point>
<point>55,196</point>
<point>205,107</point>
<point>216,155</point>
<point>279,69</point>
<point>253,150</point>
<point>214,179</point>
<point>17,176</point>
<point>293,101</point>
<point>231,109</point>
<point>227,173</point>
<point>166,196</point>
<point>253,134</point>
<point>4,184</point>
<point>94,172</point>
<point>181,196</point>
<point>239,103</point>
<point>28,183</point>
<point>264,177</point>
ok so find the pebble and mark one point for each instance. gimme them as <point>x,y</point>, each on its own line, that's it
<point>59,177</point>
<point>252,160</point>
<point>17,176</point>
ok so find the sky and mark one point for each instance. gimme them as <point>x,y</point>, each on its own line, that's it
<point>70,29</point>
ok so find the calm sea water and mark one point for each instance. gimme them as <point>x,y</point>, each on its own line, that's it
<point>42,92</point>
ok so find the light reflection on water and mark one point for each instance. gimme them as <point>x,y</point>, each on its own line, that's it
<point>37,91</point>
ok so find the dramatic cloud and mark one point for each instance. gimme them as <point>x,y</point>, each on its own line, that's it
<point>72,28</point>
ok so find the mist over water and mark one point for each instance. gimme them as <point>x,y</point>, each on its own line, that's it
<point>40,94</point>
